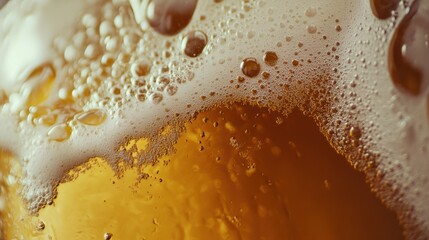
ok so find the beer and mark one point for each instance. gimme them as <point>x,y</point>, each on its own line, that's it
<point>192,119</point>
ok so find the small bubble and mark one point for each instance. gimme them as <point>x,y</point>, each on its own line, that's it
<point>194,43</point>
<point>71,53</point>
<point>60,132</point>
<point>310,12</point>
<point>250,67</point>
<point>40,226</point>
<point>355,133</point>
<point>140,68</point>
<point>169,17</point>
<point>270,58</point>
<point>311,29</point>
<point>266,75</point>
<point>92,117</point>
<point>92,51</point>
<point>383,9</point>
<point>108,236</point>
<point>295,62</point>
<point>171,89</point>
<point>338,28</point>
<point>156,97</point>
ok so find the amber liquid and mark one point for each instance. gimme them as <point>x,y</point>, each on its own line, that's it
<point>238,172</point>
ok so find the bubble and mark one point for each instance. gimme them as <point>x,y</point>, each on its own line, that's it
<point>295,62</point>
<point>194,43</point>
<point>311,29</point>
<point>169,17</point>
<point>39,85</point>
<point>40,226</point>
<point>92,51</point>
<point>89,21</point>
<point>60,132</point>
<point>270,58</point>
<point>141,68</point>
<point>71,53</point>
<point>310,12</point>
<point>338,28</point>
<point>108,236</point>
<point>383,9</point>
<point>156,97</point>
<point>171,89</point>
<point>250,67</point>
<point>92,117</point>
<point>355,133</point>
<point>409,50</point>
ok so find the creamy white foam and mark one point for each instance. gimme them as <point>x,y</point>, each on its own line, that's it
<point>80,40</point>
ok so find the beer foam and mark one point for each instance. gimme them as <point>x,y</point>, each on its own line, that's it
<point>80,78</point>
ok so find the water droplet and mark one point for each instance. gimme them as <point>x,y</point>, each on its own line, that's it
<point>194,43</point>
<point>169,17</point>
<point>250,67</point>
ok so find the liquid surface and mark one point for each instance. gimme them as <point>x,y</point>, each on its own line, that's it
<point>238,173</point>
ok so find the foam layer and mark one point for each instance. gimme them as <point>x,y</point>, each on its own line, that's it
<point>78,78</point>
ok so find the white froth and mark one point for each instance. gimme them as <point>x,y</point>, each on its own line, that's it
<point>395,127</point>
